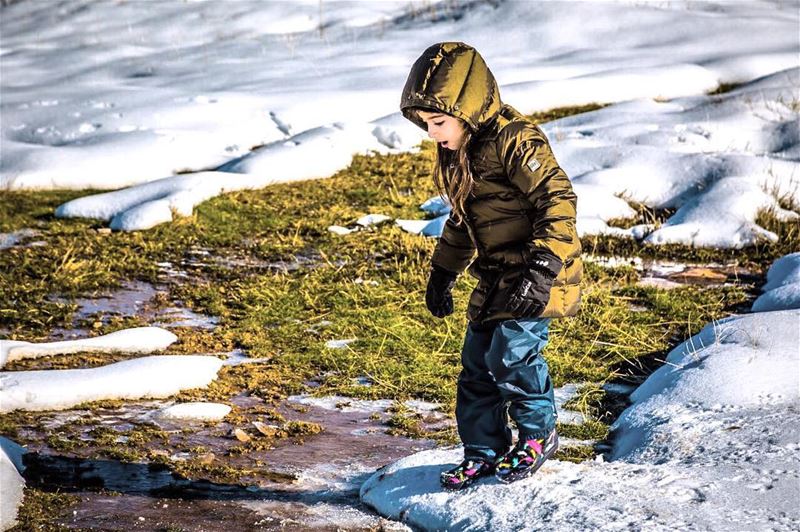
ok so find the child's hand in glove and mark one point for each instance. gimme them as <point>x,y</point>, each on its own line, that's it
<point>529,298</point>
<point>437,296</point>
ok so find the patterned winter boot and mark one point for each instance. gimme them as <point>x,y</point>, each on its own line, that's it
<point>465,473</point>
<point>526,458</point>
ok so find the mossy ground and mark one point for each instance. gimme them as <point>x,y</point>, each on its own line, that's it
<point>367,286</point>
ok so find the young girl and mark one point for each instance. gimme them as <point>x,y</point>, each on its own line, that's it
<point>514,205</point>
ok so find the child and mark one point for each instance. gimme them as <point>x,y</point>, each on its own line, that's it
<point>514,205</point>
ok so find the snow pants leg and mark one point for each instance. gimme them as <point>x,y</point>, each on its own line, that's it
<point>503,374</point>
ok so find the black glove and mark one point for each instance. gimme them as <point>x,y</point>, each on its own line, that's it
<point>532,292</point>
<point>438,298</point>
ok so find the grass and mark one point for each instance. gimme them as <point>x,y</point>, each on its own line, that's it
<point>39,508</point>
<point>367,286</point>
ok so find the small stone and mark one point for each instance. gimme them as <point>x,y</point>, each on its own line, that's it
<point>266,430</point>
<point>104,231</point>
<point>206,458</point>
<point>241,435</point>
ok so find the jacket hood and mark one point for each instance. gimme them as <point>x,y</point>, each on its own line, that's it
<point>452,77</point>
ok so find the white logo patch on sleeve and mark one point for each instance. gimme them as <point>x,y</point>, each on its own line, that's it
<point>533,164</point>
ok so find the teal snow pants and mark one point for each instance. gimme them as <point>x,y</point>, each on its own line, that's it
<point>503,374</point>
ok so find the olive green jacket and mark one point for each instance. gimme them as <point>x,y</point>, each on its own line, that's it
<point>522,203</point>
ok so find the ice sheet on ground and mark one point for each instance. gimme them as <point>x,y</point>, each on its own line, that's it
<point>153,376</point>
<point>194,411</point>
<point>782,289</point>
<point>9,240</point>
<point>138,340</point>
<point>684,453</point>
<point>309,99</point>
<point>239,356</point>
<point>351,404</point>
<point>562,395</point>
<point>182,317</point>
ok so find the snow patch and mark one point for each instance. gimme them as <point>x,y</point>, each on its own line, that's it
<point>194,411</point>
<point>11,481</point>
<point>154,376</point>
<point>782,289</point>
<point>138,340</point>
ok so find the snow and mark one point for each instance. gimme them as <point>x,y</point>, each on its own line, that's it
<point>709,442</point>
<point>372,219</point>
<point>194,411</point>
<point>339,344</point>
<point>106,96</point>
<point>11,482</point>
<point>782,289</point>
<point>153,376</point>
<point>138,340</point>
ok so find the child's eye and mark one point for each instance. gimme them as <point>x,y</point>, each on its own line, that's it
<point>438,123</point>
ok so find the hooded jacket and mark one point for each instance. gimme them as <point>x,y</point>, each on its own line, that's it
<point>522,207</point>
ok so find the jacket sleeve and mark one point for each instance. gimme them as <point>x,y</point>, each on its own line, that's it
<point>532,168</point>
<point>455,247</point>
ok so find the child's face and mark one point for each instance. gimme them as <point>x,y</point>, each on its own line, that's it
<point>446,130</point>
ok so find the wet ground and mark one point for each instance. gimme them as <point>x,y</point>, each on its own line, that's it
<point>302,483</point>
<point>285,479</point>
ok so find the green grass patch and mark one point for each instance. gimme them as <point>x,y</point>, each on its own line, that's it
<point>39,510</point>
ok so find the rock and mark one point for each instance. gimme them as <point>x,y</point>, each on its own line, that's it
<point>266,430</point>
<point>241,435</point>
<point>206,458</point>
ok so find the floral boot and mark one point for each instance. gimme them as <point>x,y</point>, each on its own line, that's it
<point>526,458</point>
<point>465,473</point>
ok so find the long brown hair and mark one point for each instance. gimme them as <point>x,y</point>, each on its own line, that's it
<point>452,175</point>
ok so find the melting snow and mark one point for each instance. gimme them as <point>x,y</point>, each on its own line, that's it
<point>139,340</point>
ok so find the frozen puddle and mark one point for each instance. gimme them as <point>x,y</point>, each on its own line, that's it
<point>136,299</point>
<point>328,468</point>
<point>20,237</point>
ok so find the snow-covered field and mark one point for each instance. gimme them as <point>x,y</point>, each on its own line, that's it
<point>106,95</point>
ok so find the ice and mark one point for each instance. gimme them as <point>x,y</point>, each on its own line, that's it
<point>153,376</point>
<point>351,404</point>
<point>139,340</point>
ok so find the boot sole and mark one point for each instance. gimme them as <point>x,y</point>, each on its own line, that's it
<point>525,473</point>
